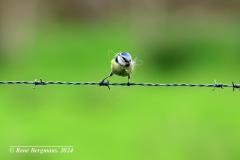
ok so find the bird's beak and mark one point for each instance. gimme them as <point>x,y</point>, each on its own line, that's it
<point>128,63</point>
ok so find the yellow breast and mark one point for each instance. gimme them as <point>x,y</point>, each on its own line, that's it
<point>121,70</point>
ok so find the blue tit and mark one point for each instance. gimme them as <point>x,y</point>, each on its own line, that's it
<point>122,65</point>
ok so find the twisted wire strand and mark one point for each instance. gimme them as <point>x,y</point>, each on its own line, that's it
<point>106,83</point>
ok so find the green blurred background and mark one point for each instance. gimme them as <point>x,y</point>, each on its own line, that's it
<point>74,40</point>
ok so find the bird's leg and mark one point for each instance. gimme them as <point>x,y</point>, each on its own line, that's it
<point>102,81</point>
<point>128,83</point>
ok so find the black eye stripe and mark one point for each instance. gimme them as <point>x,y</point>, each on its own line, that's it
<point>125,59</point>
<point>116,59</point>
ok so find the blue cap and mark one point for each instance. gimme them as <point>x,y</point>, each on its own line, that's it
<point>126,54</point>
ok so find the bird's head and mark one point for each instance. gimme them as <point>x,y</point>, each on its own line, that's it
<point>124,59</point>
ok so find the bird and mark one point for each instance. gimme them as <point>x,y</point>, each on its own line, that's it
<point>122,65</point>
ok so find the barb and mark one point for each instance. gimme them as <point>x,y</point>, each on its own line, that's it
<point>106,83</point>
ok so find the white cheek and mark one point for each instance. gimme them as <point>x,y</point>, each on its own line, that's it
<point>121,61</point>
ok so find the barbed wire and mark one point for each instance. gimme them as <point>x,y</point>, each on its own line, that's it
<point>108,84</point>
